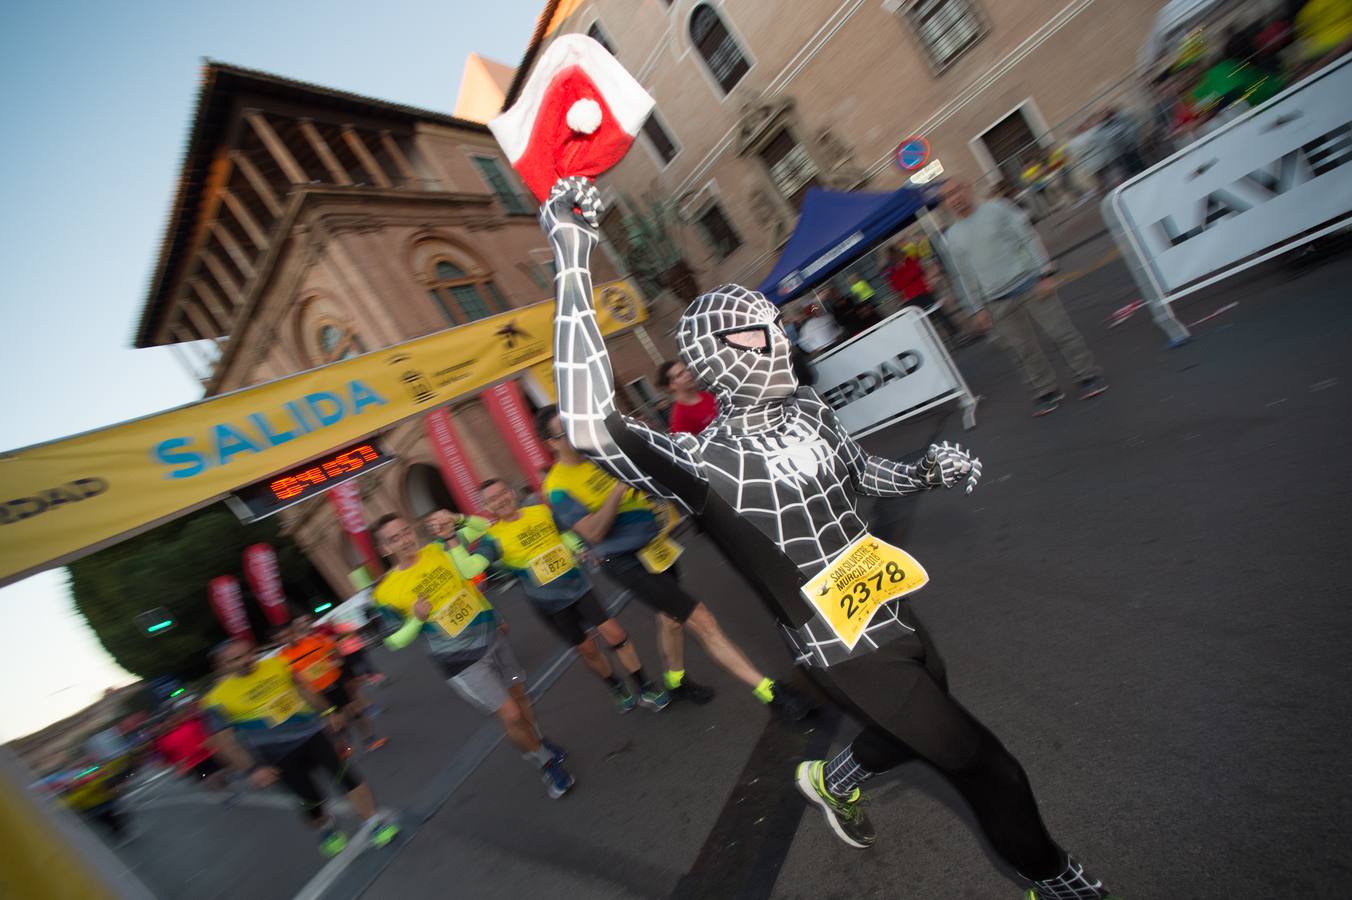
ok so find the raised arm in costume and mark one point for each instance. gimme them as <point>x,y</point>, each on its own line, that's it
<point>586,383</point>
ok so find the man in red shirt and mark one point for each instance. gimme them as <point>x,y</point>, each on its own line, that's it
<point>907,278</point>
<point>691,409</point>
<point>183,744</point>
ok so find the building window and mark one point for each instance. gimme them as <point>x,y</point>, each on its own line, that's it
<point>717,46</point>
<point>337,341</point>
<point>718,231</point>
<point>791,167</point>
<point>501,186</point>
<point>661,141</point>
<point>596,34</point>
<point>946,28</point>
<point>462,297</point>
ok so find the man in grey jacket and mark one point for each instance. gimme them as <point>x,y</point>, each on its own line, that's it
<point>1011,286</point>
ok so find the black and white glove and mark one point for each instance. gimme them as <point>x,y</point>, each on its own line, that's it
<point>947,464</point>
<point>569,198</point>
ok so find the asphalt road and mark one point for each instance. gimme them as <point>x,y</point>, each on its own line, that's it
<point>1146,599</point>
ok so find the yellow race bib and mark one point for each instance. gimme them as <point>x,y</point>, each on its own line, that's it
<point>866,574</point>
<point>282,707</point>
<point>457,612</point>
<point>550,564</point>
<point>659,553</point>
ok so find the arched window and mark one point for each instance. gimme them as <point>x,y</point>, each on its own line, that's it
<point>716,44</point>
<point>463,296</point>
<point>325,329</point>
<point>337,341</point>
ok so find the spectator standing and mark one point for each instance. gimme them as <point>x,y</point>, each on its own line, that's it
<point>852,316</point>
<point>817,330</point>
<point>691,408</point>
<point>1011,287</point>
<point>863,291</point>
<point>1323,32</point>
<point>907,278</point>
<point>1089,154</point>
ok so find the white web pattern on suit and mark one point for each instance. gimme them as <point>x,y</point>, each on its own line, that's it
<point>1072,884</point>
<point>776,452</point>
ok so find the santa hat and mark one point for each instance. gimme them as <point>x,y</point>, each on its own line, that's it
<point>577,115</point>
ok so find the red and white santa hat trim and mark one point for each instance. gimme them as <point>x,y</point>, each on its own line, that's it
<point>578,114</point>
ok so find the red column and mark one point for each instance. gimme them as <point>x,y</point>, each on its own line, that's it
<point>510,413</point>
<point>456,470</point>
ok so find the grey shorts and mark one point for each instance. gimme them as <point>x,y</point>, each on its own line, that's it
<point>487,683</point>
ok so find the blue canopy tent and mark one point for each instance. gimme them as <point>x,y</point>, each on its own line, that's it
<point>836,228</point>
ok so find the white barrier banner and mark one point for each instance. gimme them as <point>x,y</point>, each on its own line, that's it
<point>1272,179</point>
<point>894,370</point>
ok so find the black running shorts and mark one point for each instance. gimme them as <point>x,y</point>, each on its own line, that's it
<point>571,622</point>
<point>660,592</point>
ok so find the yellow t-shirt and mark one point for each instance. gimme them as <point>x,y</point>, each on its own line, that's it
<point>461,621</point>
<point>523,542</point>
<point>264,698</point>
<point>590,484</point>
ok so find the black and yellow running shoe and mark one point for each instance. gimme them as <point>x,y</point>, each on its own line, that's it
<point>845,816</point>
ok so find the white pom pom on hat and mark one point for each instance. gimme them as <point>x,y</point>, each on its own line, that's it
<point>584,116</point>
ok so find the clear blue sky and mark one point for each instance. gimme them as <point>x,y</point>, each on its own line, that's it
<point>96,99</point>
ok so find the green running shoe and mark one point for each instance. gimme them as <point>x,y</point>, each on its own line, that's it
<point>624,698</point>
<point>332,842</point>
<point>655,698</point>
<point>846,817</point>
<point>384,833</point>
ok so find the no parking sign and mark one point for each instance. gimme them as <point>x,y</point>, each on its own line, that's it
<point>912,153</point>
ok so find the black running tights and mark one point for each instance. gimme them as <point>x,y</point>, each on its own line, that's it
<point>900,694</point>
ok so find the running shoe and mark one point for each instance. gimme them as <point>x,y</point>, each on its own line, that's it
<point>332,842</point>
<point>375,743</point>
<point>655,698</point>
<point>1047,403</point>
<point>557,755</point>
<point>692,692</point>
<point>1092,387</point>
<point>384,833</point>
<point>624,698</point>
<point>790,705</point>
<point>846,817</point>
<point>557,780</point>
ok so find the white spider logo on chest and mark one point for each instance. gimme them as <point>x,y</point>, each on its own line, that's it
<point>795,454</point>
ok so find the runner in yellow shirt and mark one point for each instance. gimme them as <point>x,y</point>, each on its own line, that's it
<point>428,592</point>
<point>525,541</point>
<point>622,529</point>
<point>270,725</point>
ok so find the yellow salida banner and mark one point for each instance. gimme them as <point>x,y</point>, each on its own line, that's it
<point>61,499</point>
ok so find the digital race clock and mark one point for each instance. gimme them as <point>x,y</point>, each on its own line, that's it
<point>276,493</point>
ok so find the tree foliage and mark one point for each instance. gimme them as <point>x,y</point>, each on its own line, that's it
<point>170,566</point>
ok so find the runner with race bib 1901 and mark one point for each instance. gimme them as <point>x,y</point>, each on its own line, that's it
<point>428,592</point>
